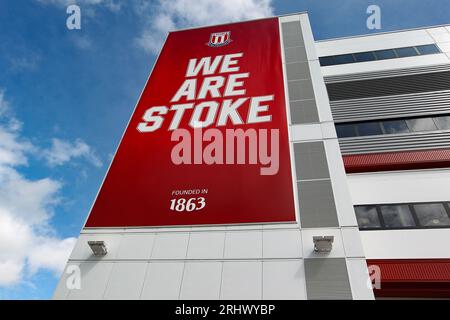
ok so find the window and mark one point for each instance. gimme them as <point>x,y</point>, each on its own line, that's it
<point>326,61</point>
<point>397,216</point>
<point>369,128</point>
<point>403,216</point>
<point>367,217</point>
<point>406,52</point>
<point>344,58</point>
<point>364,56</point>
<point>345,130</point>
<point>443,123</point>
<point>421,124</point>
<point>395,126</point>
<point>428,49</point>
<point>432,214</point>
<point>379,55</point>
<point>385,54</point>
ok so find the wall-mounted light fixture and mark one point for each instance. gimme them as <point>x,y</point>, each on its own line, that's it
<point>323,244</point>
<point>98,248</point>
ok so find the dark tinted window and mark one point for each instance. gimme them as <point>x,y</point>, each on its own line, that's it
<point>406,52</point>
<point>345,130</point>
<point>423,124</point>
<point>367,217</point>
<point>364,56</point>
<point>385,54</point>
<point>344,58</point>
<point>428,49</point>
<point>432,214</point>
<point>368,128</point>
<point>326,61</point>
<point>397,216</point>
<point>443,123</point>
<point>395,126</point>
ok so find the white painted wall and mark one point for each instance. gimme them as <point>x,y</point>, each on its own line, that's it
<point>400,187</point>
<point>439,36</point>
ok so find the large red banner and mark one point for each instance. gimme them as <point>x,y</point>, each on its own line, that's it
<point>208,141</point>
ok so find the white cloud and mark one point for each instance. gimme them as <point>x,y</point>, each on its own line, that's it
<point>28,242</point>
<point>171,15</point>
<point>51,254</point>
<point>62,152</point>
<point>10,272</point>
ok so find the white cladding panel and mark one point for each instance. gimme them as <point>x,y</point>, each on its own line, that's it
<point>403,187</point>
<point>400,186</point>
<point>439,36</point>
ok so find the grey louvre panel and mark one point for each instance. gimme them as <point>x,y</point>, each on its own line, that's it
<point>295,54</point>
<point>297,71</point>
<point>407,105</point>
<point>327,278</point>
<point>300,90</point>
<point>292,34</point>
<point>303,111</point>
<point>400,142</point>
<point>387,73</point>
<point>317,208</point>
<point>310,161</point>
<point>389,86</point>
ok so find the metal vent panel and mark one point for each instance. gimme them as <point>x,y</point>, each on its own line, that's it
<point>393,143</point>
<point>389,86</point>
<point>398,106</point>
<point>387,73</point>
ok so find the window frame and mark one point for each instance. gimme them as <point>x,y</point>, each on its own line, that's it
<point>380,122</point>
<point>372,52</point>
<point>445,204</point>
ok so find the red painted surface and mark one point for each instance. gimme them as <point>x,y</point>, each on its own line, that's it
<point>423,159</point>
<point>138,188</point>
<point>408,278</point>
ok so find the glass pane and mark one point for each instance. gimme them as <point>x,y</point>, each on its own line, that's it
<point>326,61</point>
<point>432,214</point>
<point>406,52</point>
<point>369,128</point>
<point>395,126</point>
<point>345,130</point>
<point>428,49</point>
<point>442,123</point>
<point>344,58</point>
<point>364,56</point>
<point>423,124</point>
<point>367,217</point>
<point>397,216</point>
<point>385,54</point>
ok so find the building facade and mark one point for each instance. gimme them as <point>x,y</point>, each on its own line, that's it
<point>368,128</point>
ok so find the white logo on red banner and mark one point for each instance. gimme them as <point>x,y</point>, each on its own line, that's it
<point>219,39</point>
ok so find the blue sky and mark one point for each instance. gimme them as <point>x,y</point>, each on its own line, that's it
<point>66,96</point>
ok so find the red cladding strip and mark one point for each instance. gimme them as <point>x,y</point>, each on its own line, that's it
<point>423,159</point>
<point>422,278</point>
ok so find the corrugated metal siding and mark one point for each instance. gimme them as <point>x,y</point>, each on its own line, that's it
<point>419,278</point>
<point>394,143</point>
<point>389,86</point>
<point>439,158</point>
<point>414,270</point>
<point>387,73</point>
<point>398,106</point>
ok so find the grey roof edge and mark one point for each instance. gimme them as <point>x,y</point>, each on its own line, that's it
<point>384,32</point>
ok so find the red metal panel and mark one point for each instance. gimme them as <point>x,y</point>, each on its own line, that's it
<point>423,159</point>
<point>425,278</point>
